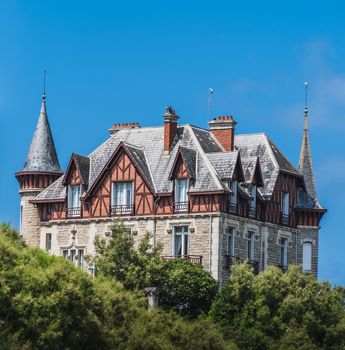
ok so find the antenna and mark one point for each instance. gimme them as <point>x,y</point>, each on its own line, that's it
<point>306,84</point>
<point>44,83</point>
<point>306,95</point>
<point>210,92</point>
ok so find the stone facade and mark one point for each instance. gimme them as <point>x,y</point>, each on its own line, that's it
<point>207,233</point>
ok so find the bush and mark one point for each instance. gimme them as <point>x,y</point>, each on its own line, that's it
<point>281,310</point>
<point>47,303</point>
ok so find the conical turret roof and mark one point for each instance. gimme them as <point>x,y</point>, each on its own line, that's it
<point>42,155</point>
<point>305,164</point>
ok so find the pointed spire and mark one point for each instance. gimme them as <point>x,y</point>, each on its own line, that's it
<point>42,155</point>
<point>305,164</point>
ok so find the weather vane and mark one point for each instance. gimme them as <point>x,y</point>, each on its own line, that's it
<point>44,83</point>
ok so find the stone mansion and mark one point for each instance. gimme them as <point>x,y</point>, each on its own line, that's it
<point>208,195</point>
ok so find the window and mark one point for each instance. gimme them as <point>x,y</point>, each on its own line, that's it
<point>307,256</point>
<point>230,243</point>
<point>80,258</point>
<point>48,241</point>
<point>75,256</point>
<point>73,201</point>
<point>73,197</point>
<point>233,197</point>
<point>181,241</point>
<point>181,196</point>
<point>285,208</point>
<point>250,248</point>
<point>122,198</point>
<point>284,252</point>
<point>252,203</point>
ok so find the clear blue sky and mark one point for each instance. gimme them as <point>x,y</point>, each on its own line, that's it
<point>112,61</point>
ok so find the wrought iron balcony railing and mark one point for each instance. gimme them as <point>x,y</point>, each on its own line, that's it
<point>283,267</point>
<point>195,259</point>
<point>231,260</point>
<point>233,209</point>
<point>255,266</point>
<point>181,207</point>
<point>118,210</point>
<point>252,213</point>
<point>73,212</point>
<point>285,220</point>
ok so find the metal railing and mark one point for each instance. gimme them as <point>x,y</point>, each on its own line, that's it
<point>73,212</point>
<point>118,210</point>
<point>181,207</point>
<point>233,208</point>
<point>255,266</point>
<point>283,267</point>
<point>231,260</point>
<point>285,219</point>
<point>195,259</point>
<point>252,213</point>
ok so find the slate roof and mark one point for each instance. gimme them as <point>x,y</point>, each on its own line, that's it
<point>224,163</point>
<point>83,164</point>
<point>42,155</point>
<point>202,153</point>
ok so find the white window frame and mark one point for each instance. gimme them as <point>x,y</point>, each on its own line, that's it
<point>307,256</point>
<point>251,245</point>
<point>123,200</point>
<point>181,196</point>
<point>48,242</point>
<point>184,240</point>
<point>73,201</point>
<point>285,203</point>
<point>233,196</point>
<point>252,203</point>
<point>71,254</point>
<point>284,252</point>
<point>230,242</point>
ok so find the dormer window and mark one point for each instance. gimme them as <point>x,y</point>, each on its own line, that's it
<point>285,208</point>
<point>122,198</point>
<point>181,195</point>
<point>73,201</point>
<point>233,197</point>
<point>252,202</point>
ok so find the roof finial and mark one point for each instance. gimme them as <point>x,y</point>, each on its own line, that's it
<point>306,84</point>
<point>44,85</point>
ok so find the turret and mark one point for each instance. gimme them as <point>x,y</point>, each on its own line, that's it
<point>41,169</point>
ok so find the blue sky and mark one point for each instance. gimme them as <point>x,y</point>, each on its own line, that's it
<point>112,61</point>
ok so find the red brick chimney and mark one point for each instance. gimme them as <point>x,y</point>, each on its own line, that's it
<point>170,127</point>
<point>223,128</point>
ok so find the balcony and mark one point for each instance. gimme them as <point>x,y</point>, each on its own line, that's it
<point>254,265</point>
<point>285,219</point>
<point>233,209</point>
<point>282,267</point>
<point>181,207</point>
<point>231,260</point>
<point>195,259</point>
<point>73,212</point>
<point>252,213</point>
<point>119,210</point>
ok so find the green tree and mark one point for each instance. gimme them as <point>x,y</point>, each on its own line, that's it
<point>280,310</point>
<point>48,303</point>
<point>184,287</point>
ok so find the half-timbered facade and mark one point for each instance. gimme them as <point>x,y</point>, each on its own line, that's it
<point>208,195</point>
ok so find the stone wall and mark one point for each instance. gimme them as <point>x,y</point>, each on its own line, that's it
<point>29,218</point>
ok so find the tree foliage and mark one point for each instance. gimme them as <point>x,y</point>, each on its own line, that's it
<point>184,287</point>
<point>48,303</point>
<point>276,310</point>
